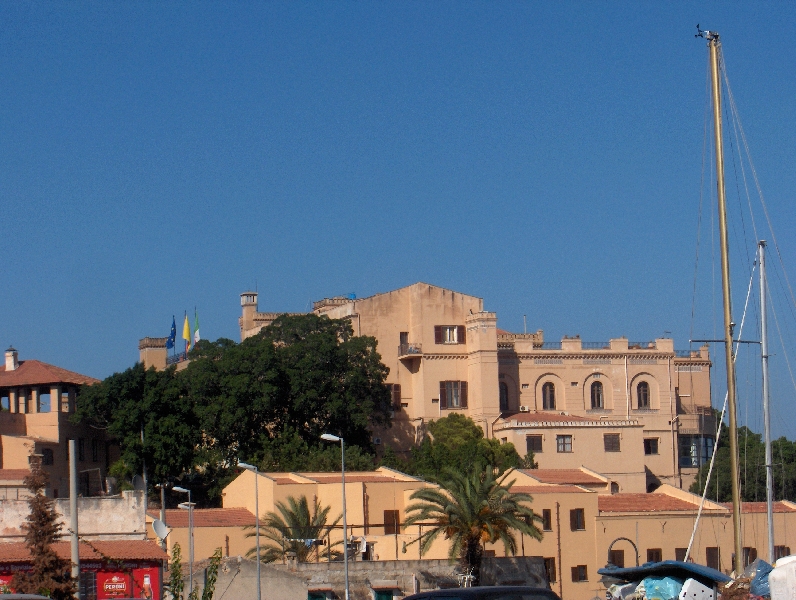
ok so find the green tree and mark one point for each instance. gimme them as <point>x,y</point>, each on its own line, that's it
<point>751,454</point>
<point>471,510</point>
<point>51,576</point>
<point>290,452</point>
<point>457,442</point>
<point>175,585</point>
<point>153,402</point>
<point>285,530</point>
<point>305,375</point>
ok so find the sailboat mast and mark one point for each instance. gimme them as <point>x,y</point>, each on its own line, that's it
<point>766,413</point>
<point>714,45</point>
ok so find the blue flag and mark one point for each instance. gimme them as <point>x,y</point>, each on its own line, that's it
<point>172,335</point>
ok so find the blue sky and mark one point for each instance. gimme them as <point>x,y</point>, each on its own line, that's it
<point>545,156</point>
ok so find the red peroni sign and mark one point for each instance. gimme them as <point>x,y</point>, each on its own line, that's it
<point>115,584</point>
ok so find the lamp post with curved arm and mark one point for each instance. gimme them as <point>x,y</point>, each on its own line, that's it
<point>189,507</point>
<point>328,437</point>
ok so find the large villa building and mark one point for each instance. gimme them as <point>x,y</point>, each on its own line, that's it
<point>637,412</point>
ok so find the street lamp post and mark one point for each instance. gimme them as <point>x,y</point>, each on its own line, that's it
<point>328,437</point>
<point>254,470</point>
<point>189,507</point>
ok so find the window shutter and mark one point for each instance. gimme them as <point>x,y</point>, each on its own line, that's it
<point>573,520</point>
<point>575,574</point>
<point>463,394</point>
<point>443,397</point>
<point>396,394</point>
<point>461,334</point>
<point>437,334</point>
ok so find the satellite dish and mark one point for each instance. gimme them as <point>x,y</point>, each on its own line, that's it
<point>138,483</point>
<point>160,529</point>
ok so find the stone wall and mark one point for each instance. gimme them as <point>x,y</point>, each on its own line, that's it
<point>109,518</point>
<point>237,577</point>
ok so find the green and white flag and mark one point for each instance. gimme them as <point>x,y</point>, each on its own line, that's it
<point>196,337</point>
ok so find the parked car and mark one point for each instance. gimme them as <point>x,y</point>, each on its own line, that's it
<point>500,592</point>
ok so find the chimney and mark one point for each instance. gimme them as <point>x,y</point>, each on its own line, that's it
<point>11,360</point>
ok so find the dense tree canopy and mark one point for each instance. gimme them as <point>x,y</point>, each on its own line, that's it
<point>305,375</point>
<point>266,400</point>
<point>153,402</point>
<point>457,442</point>
<point>752,462</point>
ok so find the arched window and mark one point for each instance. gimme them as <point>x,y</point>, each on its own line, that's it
<point>504,396</point>
<point>643,394</point>
<point>597,395</point>
<point>549,396</point>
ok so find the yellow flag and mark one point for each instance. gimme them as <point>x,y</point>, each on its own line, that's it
<point>186,333</point>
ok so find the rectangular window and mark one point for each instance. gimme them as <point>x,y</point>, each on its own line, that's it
<point>577,519</point>
<point>449,334</point>
<point>617,558</point>
<point>780,551</point>
<point>533,444</point>
<point>395,393</point>
<point>579,573</point>
<point>650,445</point>
<point>694,450</point>
<point>47,457</point>
<point>655,555</point>
<point>547,519</point>
<point>453,394</point>
<point>749,556</point>
<point>679,554</point>
<point>611,442</point>
<point>391,524</point>
<point>94,451</point>
<point>5,403</point>
<point>564,443</point>
<point>81,449</point>
<point>713,557</point>
<point>550,569</point>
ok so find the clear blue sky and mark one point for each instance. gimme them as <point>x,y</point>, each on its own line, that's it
<point>544,156</point>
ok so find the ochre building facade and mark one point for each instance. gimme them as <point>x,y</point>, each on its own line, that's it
<point>638,412</point>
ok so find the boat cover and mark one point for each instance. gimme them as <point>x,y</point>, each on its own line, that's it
<point>667,568</point>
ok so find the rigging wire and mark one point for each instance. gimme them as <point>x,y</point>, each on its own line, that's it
<point>721,421</point>
<point>734,110</point>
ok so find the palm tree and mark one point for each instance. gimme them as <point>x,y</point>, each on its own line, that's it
<point>471,510</point>
<point>292,529</point>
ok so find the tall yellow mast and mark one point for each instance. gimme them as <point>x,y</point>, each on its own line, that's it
<point>714,45</point>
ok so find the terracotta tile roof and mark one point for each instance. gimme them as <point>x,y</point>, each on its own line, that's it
<point>285,480</point>
<point>760,507</point>
<point>13,474</point>
<point>35,372</point>
<point>207,517</point>
<point>549,489</point>
<point>334,478</point>
<point>17,552</point>
<point>573,476</point>
<point>643,503</point>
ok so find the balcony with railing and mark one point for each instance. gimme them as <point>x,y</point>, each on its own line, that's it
<point>701,422</point>
<point>407,350</point>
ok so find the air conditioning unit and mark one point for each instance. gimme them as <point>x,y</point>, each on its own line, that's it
<point>525,409</point>
<point>377,441</point>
